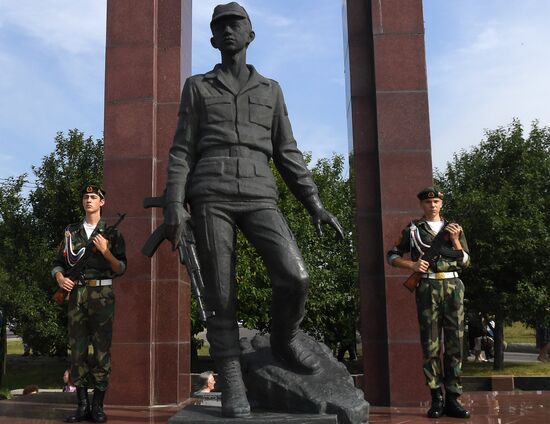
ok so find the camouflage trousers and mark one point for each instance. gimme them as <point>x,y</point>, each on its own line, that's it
<point>440,307</point>
<point>91,312</point>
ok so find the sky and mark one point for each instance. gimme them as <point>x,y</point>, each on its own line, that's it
<point>486,64</point>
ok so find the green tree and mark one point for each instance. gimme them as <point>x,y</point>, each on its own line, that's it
<point>332,307</point>
<point>77,161</point>
<point>31,228</point>
<point>499,192</point>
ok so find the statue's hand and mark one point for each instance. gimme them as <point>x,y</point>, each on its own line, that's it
<point>322,216</point>
<point>175,219</point>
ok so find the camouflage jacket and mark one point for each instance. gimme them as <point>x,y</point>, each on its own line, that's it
<point>71,249</point>
<point>417,237</point>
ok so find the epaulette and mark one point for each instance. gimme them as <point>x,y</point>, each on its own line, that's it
<point>414,221</point>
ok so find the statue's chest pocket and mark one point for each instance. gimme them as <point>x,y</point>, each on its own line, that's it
<point>219,109</point>
<point>261,111</point>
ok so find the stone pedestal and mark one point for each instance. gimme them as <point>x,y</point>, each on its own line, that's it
<point>212,415</point>
<point>147,58</point>
<point>391,161</point>
<point>273,386</point>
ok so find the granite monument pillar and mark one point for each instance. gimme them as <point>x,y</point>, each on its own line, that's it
<point>148,56</point>
<point>391,160</point>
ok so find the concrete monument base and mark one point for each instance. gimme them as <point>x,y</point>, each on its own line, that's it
<point>199,414</point>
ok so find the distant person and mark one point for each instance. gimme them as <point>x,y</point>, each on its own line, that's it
<point>31,389</point>
<point>348,344</point>
<point>476,332</point>
<point>68,385</point>
<point>543,343</point>
<point>439,299</point>
<point>206,382</point>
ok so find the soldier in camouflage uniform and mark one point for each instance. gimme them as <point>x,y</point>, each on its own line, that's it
<point>91,302</point>
<point>439,300</point>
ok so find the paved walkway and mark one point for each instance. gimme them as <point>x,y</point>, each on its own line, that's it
<point>486,408</point>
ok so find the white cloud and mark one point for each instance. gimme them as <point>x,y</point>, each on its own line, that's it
<point>496,71</point>
<point>52,61</point>
<point>52,52</point>
<point>321,139</point>
<point>74,26</point>
<point>282,38</point>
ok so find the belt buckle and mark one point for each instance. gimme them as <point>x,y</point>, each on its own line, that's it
<point>440,275</point>
<point>93,283</point>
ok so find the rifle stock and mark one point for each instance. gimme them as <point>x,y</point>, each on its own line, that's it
<point>154,241</point>
<point>60,296</point>
<point>413,281</point>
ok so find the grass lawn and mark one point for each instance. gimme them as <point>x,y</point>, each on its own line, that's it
<point>482,369</point>
<point>47,372</point>
<point>518,333</point>
<point>15,347</point>
<point>44,371</point>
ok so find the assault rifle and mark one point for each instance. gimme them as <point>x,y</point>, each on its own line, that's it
<point>436,250</point>
<point>76,273</point>
<point>187,253</point>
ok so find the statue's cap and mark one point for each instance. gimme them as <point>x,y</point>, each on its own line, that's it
<point>229,9</point>
<point>430,193</point>
<point>95,190</point>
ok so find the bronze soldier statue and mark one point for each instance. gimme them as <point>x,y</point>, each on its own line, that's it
<point>232,122</point>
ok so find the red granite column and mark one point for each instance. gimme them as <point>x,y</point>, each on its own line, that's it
<point>147,58</point>
<point>391,159</point>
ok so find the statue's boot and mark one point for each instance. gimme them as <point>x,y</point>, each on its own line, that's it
<point>82,412</point>
<point>453,408</point>
<point>436,409</point>
<point>288,307</point>
<point>97,414</point>
<point>234,401</point>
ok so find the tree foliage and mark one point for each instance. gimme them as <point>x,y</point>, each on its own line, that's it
<point>500,194</point>
<point>31,227</point>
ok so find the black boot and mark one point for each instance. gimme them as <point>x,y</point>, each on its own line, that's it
<point>436,410</point>
<point>97,414</point>
<point>234,401</point>
<point>453,408</point>
<point>291,351</point>
<point>288,308</point>
<point>82,412</point>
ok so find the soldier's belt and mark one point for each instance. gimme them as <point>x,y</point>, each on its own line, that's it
<point>233,151</point>
<point>99,283</point>
<point>440,275</point>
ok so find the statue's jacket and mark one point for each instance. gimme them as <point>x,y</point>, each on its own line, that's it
<point>225,139</point>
